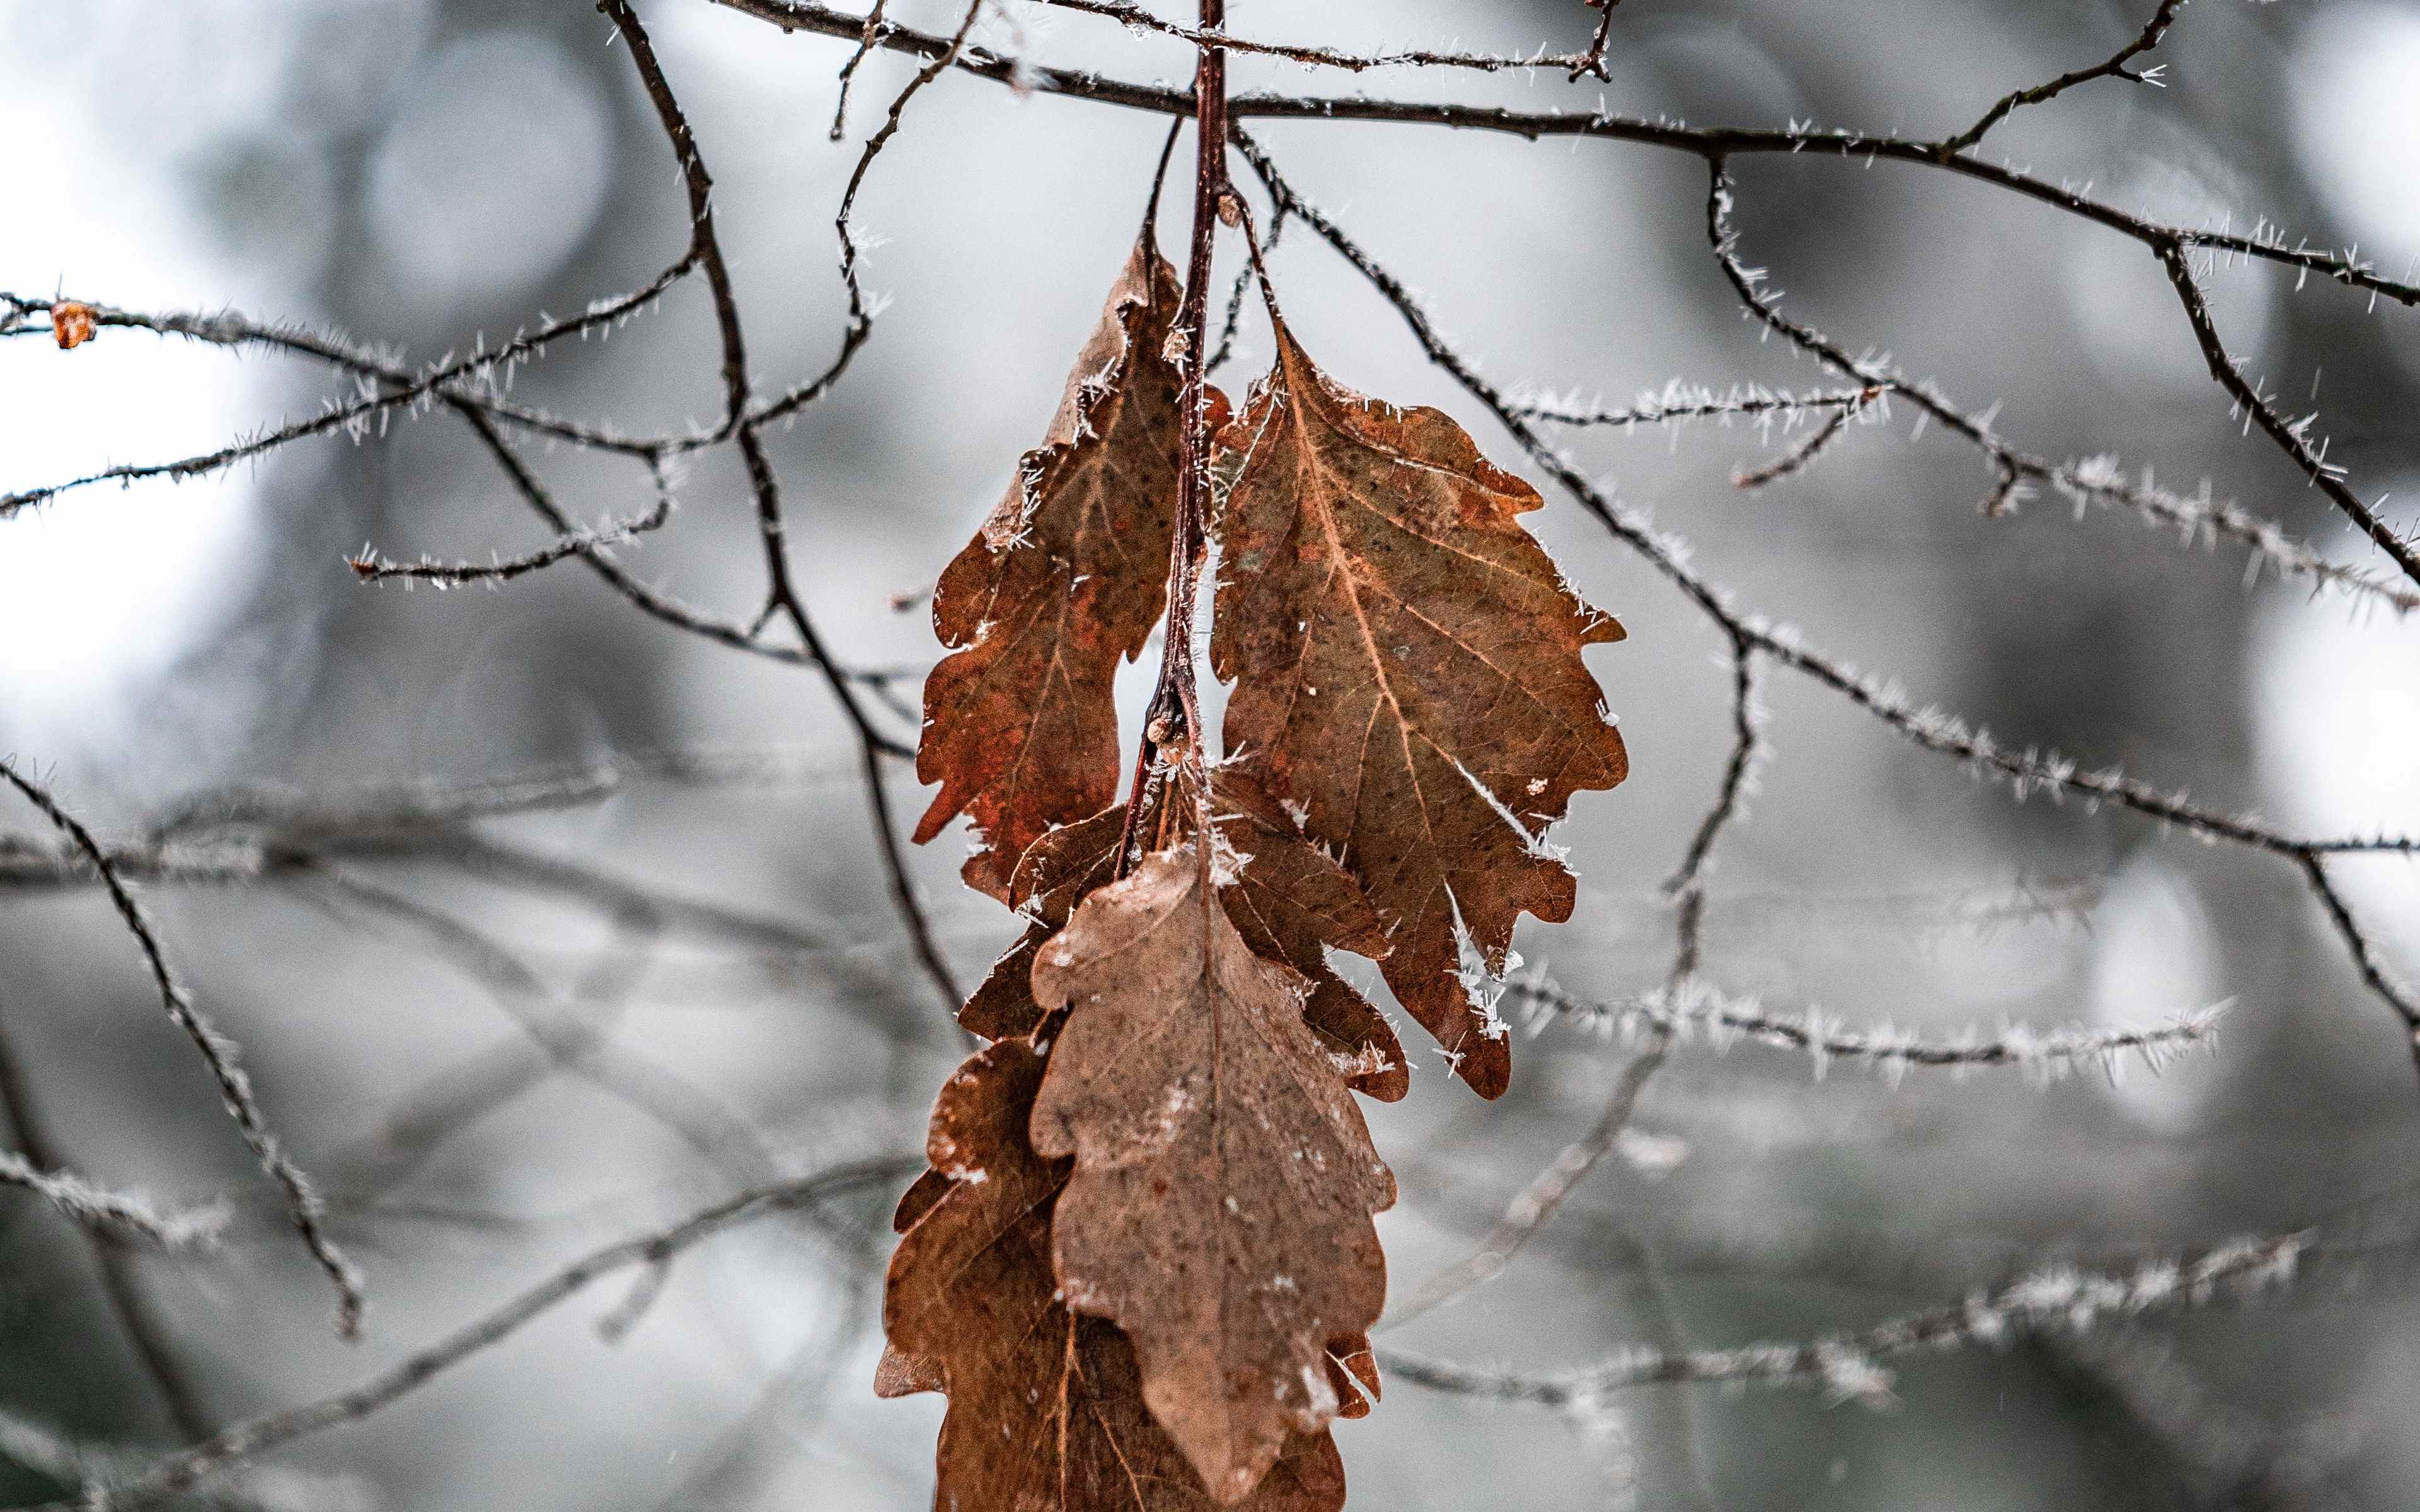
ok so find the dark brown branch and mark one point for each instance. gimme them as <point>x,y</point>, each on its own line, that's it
<point>1702,142</point>
<point>2290,436</point>
<point>763,483</point>
<point>2112,66</point>
<point>874,15</point>
<point>1136,19</point>
<point>1591,63</point>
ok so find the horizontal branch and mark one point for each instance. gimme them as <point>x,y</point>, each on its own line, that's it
<point>261,1435</point>
<point>2058,1300</point>
<point>1726,1019</point>
<point>122,1212</point>
<point>1699,141</point>
<point>1136,19</point>
<point>370,567</point>
<point>1677,401</point>
<point>247,834</point>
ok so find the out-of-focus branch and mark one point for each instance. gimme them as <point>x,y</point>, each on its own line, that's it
<point>21,1123</point>
<point>219,1053</point>
<point>2046,1056</point>
<point>108,1212</point>
<point>258,1436</point>
<point>1850,1365</point>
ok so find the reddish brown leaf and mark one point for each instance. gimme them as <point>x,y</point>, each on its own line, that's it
<point>1067,576</point>
<point>71,324</point>
<point>1407,673</point>
<point>1045,1407</point>
<point>1219,1212</point>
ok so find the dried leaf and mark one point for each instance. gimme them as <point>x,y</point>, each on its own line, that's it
<point>1407,673</point>
<point>1045,1407</point>
<point>1220,1212</point>
<point>1067,576</point>
<point>71,323</point>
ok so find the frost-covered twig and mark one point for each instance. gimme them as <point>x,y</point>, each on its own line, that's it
<point>109,1212</point>
<point>745,431</point>
<point>371,567</point>
<point>2046,1056</point>
<point>255,1437</point>
<point>2059,1299</point>
<point>219,1052</point>
<point>2112,66</point>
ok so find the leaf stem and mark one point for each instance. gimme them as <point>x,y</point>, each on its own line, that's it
<point>1175,713</point>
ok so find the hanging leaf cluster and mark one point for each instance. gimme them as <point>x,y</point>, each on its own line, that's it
<point>1143,1265</point>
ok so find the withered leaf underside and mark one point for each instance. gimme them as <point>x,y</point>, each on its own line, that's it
<point>1407,676</point>
<point>1220,1208</point>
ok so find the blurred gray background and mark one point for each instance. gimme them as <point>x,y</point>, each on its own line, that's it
<point>420,173</point>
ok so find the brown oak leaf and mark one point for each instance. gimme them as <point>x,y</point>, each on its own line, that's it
<point>1219,1210</point>
<point>1046,1406</point>
<point>1067,576</point>
<point>1407,677</point>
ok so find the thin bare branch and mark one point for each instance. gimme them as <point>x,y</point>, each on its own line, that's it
<point>2269,243</point>
<point>2058,1300</point>
<point>370,567</point>
<point>2112,66</point>
<point>116,1212</point>
<point>1931,730</point>
<point>763,484</point>
<point>249,1440</point>
<point>1136,18</point>
<point>2045,1056</point>
<point>219,1052</point>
